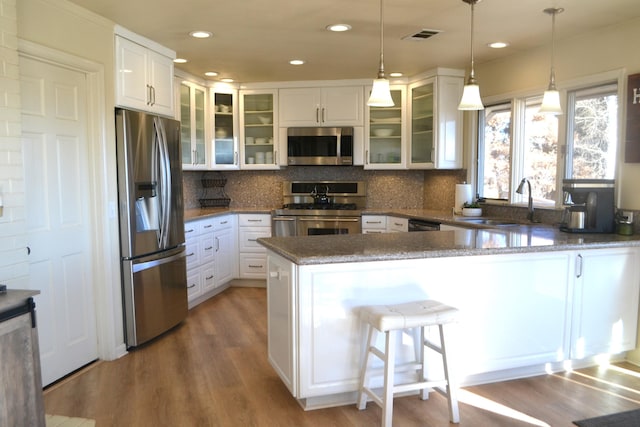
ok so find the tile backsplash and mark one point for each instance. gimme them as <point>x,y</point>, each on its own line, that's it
<point>412,189</point>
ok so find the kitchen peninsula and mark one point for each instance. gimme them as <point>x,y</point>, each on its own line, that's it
<point>531,298</point>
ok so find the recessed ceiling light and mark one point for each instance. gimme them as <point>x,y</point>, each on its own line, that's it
<point>227,80</point>
<point>180,60</point>
<point>200,34</point>
<point>395,74</point>
<point>211,73</point>
<point>339,27</point>
<point>498,45</point>
<point>296,62</point>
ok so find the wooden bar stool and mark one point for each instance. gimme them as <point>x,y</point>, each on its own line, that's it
<point>392,320</point>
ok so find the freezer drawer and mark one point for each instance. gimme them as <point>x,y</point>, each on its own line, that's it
<point>155,295</point>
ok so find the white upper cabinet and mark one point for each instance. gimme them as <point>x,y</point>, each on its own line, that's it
<point>435,122</point>
<point>144,75</point>
<point>385,140</point>
<point>326,106</point>
<point>259,140</point>
<point>224,147</point>
<point>193,140</point>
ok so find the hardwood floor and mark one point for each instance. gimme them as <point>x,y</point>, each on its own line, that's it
<point>213,371</point>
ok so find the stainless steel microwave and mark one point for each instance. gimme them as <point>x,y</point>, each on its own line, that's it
<point>320,146</point>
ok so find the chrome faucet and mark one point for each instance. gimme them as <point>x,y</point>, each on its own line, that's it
<point>520,191</point>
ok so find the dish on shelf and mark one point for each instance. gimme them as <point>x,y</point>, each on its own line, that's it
<point>261,140</point>
<point>384,132</point>
<point>223,108</point>
<point>265,120</point>
<point>221,133</point>
<point>250,140</point>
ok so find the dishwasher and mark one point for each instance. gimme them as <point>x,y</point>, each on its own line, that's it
<point>423,225</point>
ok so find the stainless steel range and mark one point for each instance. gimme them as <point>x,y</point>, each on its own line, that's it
<point>320,207</point>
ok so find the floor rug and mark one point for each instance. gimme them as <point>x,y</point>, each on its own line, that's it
<point>60,421</point>
<point>621,419</point>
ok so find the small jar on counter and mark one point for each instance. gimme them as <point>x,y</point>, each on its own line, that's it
<point>624,224</point>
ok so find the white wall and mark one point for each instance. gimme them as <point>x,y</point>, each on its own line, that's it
<point>606,49</point>
<point>13,254</point>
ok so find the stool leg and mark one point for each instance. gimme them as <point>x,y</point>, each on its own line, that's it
<point>389,367</point>
<point>452,390</point>
<point>361,403</point>
<point>424,393</point>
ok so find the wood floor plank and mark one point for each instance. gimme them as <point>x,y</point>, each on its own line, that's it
<point>213,371</point>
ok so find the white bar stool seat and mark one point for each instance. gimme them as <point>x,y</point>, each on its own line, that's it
<point>392,320</point>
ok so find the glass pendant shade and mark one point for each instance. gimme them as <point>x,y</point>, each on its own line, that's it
<point>380,94</point>
<point>471,98</point>
<point>551,102</point>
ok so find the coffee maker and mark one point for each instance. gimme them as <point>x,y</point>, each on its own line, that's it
<point>589,206</point>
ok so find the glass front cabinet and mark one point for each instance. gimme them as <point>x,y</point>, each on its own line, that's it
<point>224,146</point>
<point>435,123</point>
<point>258,124</point>
<point>385,139</point>
<point>192,102</point>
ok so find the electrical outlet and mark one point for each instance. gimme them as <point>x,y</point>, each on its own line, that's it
<point>628,215</point>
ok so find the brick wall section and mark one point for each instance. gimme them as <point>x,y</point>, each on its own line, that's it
<point>13,257</point>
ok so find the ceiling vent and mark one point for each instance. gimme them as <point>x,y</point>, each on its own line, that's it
<point>422,35</point>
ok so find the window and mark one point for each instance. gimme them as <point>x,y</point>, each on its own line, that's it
<point>592,133</point>
<point>516,142</point>
<point>495,152</point>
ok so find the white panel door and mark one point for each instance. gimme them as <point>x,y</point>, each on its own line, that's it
<point>58,214</point>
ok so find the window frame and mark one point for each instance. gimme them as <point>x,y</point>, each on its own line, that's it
<point>518,106</point>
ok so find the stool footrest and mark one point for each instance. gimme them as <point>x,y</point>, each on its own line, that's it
<point>401,388</point>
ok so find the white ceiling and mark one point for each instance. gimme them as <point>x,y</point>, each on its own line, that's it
<point>254,39</point>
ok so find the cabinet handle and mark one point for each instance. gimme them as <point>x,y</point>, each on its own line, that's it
<point>373,222</point>
<point>255,266</point>
<point>366,156</point>
<point>252,240</point>
<point>254,220</point>
<point>188,231</point>
<point>209,277</point>
<point>235,158</point>
<point>148,94</point>
<point>153,95</point>
<point>223,222</point>
<point>275,157</point>
<point>217,244</point>
<point>579,266</point>
<point>208,226</point>
<point>317,115</point>
<point>191,286</point>
<point>208,248</point>
<point>323,120</point>
<point>194,157</point>
<point>191,254</point>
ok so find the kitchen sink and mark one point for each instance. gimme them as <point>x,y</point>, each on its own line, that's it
<point>492,222</point>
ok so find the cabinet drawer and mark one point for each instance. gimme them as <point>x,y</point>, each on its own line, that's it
<point>253,266</point>
<point>194,287</point>
<point>248,239</point>
<point>253,220</point>
<point>397,225</point>
<point>222,222</point>
<point>374,222</point>
<point>193,253</point>
<point>207,248</point>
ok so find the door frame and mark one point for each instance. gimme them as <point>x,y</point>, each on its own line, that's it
<point>105,257</point>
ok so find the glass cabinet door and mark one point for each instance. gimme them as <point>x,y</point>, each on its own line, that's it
<point>385,139</point>
<point>258,124</point>
<point>185,124</point>
<point>224,145</point>
<point>192,126</point>
<point>422,122</point>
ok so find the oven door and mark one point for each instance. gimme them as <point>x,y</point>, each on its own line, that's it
<point>322,225</point>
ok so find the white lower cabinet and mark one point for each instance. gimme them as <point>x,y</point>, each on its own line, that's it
<point>397,225</point>
<point>605,309</point>
<point>518,313</point>
<point>374,224</point>
<point>211,256</point>
<point>253,256</point>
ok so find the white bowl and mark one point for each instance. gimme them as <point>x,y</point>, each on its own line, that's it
<point>471,211</point>
<point>265,120</point>
<point>221,133</point>
<point>261,140</point>
<point>250,140</point>
<point>383,132</point>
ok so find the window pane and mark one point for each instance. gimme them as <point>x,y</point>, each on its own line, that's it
<point>494,153</point>
<point>540,153</point>
<point>594,136</point>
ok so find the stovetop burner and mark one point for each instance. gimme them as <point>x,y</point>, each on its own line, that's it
<point>321,206</point>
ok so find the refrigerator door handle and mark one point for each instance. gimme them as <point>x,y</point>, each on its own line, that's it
<point>165,181</point>
<point>156,262</point>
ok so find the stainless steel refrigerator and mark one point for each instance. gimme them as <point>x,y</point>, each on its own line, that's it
<point>154,278</point>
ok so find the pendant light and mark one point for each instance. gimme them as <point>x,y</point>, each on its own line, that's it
<point>471,94</point>
<point>551,98</point>
<point>380,93</point>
